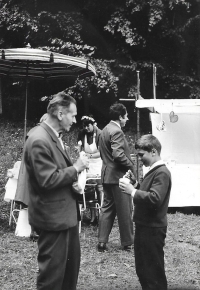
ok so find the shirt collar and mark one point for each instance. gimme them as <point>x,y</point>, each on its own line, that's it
<point>116,123</point>
<point>55,132</point>
<point>159,162</point>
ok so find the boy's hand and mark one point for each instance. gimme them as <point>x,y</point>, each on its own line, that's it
<point>125,187</point>
<point>129,174</point>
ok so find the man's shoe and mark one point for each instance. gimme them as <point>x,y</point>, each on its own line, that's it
<point>128,248</point>
<point>102,247</point>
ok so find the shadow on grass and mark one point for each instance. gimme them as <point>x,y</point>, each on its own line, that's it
<point>185,210</point>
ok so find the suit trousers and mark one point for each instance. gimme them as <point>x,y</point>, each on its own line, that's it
<point>149,257</point>
<point>120,204</point>
<point>58,259</point>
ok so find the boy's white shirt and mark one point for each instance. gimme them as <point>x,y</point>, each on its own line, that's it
<point>159,162</point>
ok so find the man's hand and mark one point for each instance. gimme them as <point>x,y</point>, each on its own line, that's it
<point>81,163</point>
<point>126,188</point>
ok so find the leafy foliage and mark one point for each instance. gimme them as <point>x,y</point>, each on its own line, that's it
<point>118,37</point>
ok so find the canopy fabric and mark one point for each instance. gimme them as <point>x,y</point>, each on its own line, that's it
<point>167,106</point>
<point>40,64</point>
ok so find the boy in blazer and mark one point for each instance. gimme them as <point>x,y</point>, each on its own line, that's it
<point>117,161</point>
<point>151,201</point>
<point>53,209</point>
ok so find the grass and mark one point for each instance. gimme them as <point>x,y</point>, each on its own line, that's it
<point>114,269</point>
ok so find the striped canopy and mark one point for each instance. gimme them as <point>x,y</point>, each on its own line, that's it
<point>41,64</point>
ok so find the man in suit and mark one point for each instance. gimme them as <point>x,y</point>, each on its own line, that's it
<point>53,209</point>
<point>151,201</point>
<point>117,161</point>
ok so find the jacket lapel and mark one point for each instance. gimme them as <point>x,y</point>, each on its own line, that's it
<point>58,144</point>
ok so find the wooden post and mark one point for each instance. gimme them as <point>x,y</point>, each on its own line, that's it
<point>0,97</point>
<point>154,81</point>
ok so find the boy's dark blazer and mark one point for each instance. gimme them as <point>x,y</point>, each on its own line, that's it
<point>52,204</point>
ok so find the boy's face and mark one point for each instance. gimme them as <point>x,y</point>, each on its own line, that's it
<point>146,157</point>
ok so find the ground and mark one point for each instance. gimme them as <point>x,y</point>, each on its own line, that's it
<point>114,269</point>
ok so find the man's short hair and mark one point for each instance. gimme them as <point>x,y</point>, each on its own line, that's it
<point>117,110</point>
<point>60,99</point>
<point>147,143</point>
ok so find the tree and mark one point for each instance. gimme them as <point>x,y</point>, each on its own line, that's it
<point>59,32</point>
<point>165,33</point>
<point>118,37</point>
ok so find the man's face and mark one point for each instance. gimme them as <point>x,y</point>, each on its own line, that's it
<point>68,117</point>
<point>145,156</point>
<point>123,120</point>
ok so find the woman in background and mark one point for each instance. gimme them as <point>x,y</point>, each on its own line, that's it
<point>22,191</point>
<point>88,139</point>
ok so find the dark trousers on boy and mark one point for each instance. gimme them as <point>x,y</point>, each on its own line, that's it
<point>149,257</point>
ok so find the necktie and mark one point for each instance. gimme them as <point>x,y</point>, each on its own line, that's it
<point>61,141</point>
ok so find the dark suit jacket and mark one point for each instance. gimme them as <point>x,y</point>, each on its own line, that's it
<point>52,204</point>
<point>115,154</point>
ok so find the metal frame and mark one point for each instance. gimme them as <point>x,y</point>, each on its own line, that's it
<point>83,206</point>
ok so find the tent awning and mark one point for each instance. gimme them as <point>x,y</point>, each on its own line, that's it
<point>166,106</point>
<point>41,64</point>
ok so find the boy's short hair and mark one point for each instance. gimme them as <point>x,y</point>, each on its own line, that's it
<point>60,99</point>
<point>116,111</point>
<point>147,143</point>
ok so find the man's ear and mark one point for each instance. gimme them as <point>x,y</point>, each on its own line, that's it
<point>59,115</point>
<point>154,151</point>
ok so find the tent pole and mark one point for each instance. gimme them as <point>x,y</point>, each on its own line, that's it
<point>25,117</point>
<point>26,97</point>
<point>138,118</point>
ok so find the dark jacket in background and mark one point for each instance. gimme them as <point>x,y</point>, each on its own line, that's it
<point>115,154</point>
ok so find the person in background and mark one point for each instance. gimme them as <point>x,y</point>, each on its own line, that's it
<point>22,191</point>
<point>88,140</point>
<point>53,208</point>
<point>151,201</point>
<point>116,158</point>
